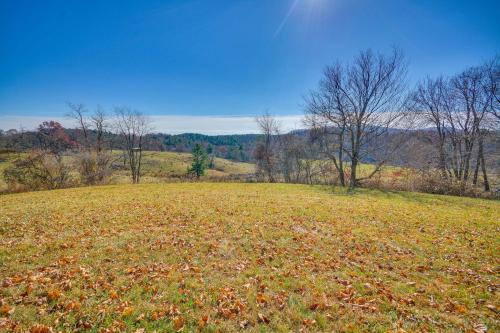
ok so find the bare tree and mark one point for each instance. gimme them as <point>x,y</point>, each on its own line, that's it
<point>132,126</point>
<point>292,158</point>
<point>460,110</point>
<point>328,127</point>
<point>492,69</point>
<point>474,100</point>
<point>78,113</point>
<point>362,101</point>
<point>100,125</point>
<point>430,101</point>
<point>265,152</point>
<point>93,159</point>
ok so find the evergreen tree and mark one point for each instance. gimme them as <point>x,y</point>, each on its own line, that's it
<point>200,161</point>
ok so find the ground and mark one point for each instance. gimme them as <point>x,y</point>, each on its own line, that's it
<point>256,257</point>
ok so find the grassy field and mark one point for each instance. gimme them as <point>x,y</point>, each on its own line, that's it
<point>157,167</point>
<point>257,257</point>
<point>160,166</point>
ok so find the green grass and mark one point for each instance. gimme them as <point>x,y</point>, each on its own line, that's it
<point>259,257</point>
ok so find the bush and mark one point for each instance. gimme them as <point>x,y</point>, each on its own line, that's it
<point>425,181</point>
<point>93,168</point>
<point>41,170</point>
<point>433,182</point>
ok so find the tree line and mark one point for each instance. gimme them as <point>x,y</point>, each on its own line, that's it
<point>365,111</point>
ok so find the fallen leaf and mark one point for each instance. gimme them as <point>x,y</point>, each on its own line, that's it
<point>263,319</point>
<point>127,311</point>
<point>41,329</point>
<point>6,310</point>
<point>54,294</point>
<point>203,321</point>
<point>178,322</point>
<point>113,294</point>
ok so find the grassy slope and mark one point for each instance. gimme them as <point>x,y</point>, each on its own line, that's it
<point>260,256</point>
<point>157,166</point>
<point>170,163</point>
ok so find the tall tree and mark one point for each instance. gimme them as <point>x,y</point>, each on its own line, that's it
<point>132,126</point>
<point>474,99</point>
<point>361,100</point>
<point>431,101</point>
<point>265,151</point>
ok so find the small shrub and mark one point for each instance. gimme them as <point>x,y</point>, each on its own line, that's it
<point>41,170</point>
<point>93,168</point>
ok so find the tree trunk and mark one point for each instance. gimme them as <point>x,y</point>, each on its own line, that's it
<point>341,163</point>
<point>476,169</point>
<point>442,159</point>
<point>483,165</point>
<point>354,166</point>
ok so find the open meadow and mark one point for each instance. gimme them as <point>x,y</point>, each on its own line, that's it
<point>157,167</point>
<point>256,257</point>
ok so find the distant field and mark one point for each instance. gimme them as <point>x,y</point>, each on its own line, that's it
<point>259,257</point>
<point>157,167</point>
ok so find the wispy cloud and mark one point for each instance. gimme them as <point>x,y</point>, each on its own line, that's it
<point>211,125</point>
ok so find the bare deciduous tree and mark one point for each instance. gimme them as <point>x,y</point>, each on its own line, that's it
<point>461,111</point>
<point>93,158</point>
<point>327,128</point>
<point>493,85</point>
<point>361,101</point>
<point>474,99</point>
<point>430,101</point>
<point>265,153</point>
<point>132,126</point>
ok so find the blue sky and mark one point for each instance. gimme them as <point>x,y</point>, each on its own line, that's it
<point>218,57</point>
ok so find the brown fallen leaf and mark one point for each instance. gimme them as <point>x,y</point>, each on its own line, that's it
<point>54,294</point>
<point>261,299</point>
<point>73,306</point>
<point>459,308</point>
<point>263,319</point>
<point>6,310</point>
<point>113,294</point>
<point>127,311</point>
<point>203,321</point>
<point>313,306</point>
<point>308,322</point>
<point>178,322</point>
<point>41,329</point>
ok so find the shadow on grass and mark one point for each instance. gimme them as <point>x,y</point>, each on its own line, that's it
<point>416,197</point>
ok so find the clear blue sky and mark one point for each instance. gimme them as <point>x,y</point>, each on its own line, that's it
<point>215,57</point>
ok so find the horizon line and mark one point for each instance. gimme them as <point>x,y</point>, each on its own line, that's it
<point>170,124</point>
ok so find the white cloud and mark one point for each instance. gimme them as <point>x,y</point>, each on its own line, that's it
<point>211,125</point>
